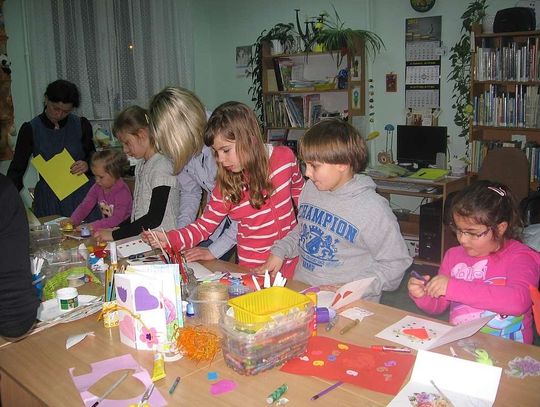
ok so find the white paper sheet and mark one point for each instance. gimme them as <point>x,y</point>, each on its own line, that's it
<point>409,329</point>
<point>464,383</point>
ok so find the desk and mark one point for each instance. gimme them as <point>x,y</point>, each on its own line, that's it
<point>34,372</point>
<point>411,225</point>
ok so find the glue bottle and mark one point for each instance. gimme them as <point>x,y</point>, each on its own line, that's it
<point>313,324</point>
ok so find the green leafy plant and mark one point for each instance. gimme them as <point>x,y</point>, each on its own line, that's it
<point>334,36</point>
<point>460,72</point>
<point>285,34</point>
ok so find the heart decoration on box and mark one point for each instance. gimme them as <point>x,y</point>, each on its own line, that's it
<point>122,293</point>
<point>127,327</point>
<point>144,301</point>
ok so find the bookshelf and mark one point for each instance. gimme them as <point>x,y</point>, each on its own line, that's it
<point>299,89</point>
<point>505,85</point>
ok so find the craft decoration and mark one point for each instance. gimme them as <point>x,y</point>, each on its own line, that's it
<point>149,303</point>
<point>330,359</point>
<point>419,333</point>
<point>462,382</point>
<point>56,172</point>
<point>356,313</point>
<point>523,367</point>
<point>197,343</point>
<point>223,386</point>
<point>343,296</point>
<point>101,369</point>
<point>75,339</point>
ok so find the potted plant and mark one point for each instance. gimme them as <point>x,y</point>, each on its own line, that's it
<point>460,72</point>
<point>334,36</point>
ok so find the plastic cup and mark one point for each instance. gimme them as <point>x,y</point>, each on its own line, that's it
<point>68,298</point>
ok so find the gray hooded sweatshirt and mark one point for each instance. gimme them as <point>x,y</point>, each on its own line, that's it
<point>346,235</point>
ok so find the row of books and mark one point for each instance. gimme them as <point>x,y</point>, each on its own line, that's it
<point>284,137</point>
<point>293,111</point>
<point>479,150</point>
<point>513,62</point>
<point>498,106</point>
<point>290,76</point>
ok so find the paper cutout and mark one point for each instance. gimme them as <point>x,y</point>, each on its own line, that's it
<point>223,386</point>
<point>419,333</point>
<point>356,313</point>
<point>75,339</point>
<point>350,292</point>
<point>144,301</point>
<point>127,327</point>
<point>57,173</point>
<point>369,365</point>
<point>463,382</point>
<point>103,368</point>
<point>523,367</point>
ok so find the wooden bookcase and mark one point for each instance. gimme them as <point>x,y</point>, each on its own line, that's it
<point>505,85</point>
<point>313,102</point>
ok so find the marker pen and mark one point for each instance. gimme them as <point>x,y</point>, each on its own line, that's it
<point>390,349</point>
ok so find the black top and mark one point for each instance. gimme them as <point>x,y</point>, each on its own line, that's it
<point>25,147</point>
<point>18,297</point>
<point>152,219</point>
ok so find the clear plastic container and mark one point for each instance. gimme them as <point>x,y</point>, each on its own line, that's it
<point>207,311</point>
<point>45,236</point>
<point>250,349</point>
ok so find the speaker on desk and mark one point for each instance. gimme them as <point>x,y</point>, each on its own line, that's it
<point>429,242</point>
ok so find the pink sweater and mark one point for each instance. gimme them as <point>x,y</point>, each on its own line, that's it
<point>115,205</point>
<point>257,228</point>
<point>497,284</point>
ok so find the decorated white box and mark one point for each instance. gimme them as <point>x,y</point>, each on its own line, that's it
<point>150,304</point>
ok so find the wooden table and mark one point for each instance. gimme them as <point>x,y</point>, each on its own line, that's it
<point>34,371</point>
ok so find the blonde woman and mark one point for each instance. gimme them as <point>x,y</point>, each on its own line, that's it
<point>177,124</point>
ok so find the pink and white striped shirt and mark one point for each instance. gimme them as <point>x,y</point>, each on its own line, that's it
<point>257,228</point>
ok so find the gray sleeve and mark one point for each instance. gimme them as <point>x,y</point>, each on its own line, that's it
<point>225,242</point>
<point>384,241</point>
<point>288,247</point>
<point>190,198</point>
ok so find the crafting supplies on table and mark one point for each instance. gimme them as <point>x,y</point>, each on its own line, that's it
<point>265,329</point>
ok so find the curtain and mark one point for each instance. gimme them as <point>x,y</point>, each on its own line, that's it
<point>118,52</point>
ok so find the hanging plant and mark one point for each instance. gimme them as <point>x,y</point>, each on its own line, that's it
<point>460,72</point>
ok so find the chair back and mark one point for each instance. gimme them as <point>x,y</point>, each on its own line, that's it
<point>509,166</point>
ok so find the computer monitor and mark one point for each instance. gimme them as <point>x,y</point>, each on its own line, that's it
<point>419,145</point>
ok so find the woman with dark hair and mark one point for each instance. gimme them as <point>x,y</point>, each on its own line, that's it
<point>47,135</point>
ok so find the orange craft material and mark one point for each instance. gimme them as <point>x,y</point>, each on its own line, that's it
<point>197,343</point>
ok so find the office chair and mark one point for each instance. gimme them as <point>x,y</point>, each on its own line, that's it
<point>507,165</point>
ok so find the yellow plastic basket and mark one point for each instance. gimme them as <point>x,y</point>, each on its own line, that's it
<point>260,306</point>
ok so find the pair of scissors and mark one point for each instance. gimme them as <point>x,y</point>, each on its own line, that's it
<point>144,399</point>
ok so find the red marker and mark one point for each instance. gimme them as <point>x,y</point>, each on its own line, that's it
<point>390,349</point>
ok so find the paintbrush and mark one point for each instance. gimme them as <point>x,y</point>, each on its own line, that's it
<point>448,402</point>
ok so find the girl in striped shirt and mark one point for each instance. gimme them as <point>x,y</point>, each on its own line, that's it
<point>256,186</point>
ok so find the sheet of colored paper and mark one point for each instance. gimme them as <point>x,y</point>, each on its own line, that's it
<point>327,358</point>
<point>103,368</point>
<point>56,173</point>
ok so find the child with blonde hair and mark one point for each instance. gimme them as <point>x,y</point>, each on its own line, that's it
<point>177,123</point>
<point>156,196</point>
<point>257,186</point>
<point>346,231</point>
<point>110,193</point>
<point>490,272</point>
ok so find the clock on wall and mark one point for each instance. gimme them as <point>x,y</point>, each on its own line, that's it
<point>422,5</point>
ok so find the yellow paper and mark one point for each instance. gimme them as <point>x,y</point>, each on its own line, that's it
<point>56,173</point>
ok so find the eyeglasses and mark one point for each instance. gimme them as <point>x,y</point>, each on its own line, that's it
<point>471,235</point>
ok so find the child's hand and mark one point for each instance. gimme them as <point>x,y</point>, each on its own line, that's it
<point>273,265</point>
<point>103,235</point>
<point>148,237</point>
<point>437,286</point>
<point>198,253</point>
<point>417,287</point>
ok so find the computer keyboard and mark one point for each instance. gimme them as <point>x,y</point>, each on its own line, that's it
<point>400,186</point>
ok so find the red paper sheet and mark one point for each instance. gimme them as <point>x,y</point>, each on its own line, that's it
<point>327,358</point>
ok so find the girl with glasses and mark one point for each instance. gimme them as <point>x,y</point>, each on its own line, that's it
<point>490,272</point>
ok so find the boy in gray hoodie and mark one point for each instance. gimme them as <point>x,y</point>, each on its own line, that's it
<point>345,231</point>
